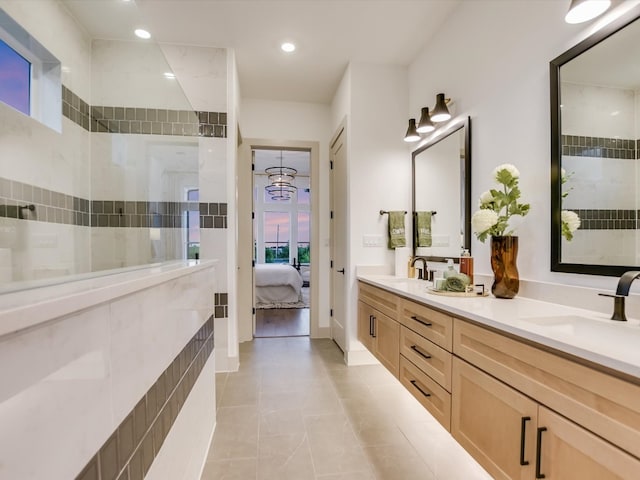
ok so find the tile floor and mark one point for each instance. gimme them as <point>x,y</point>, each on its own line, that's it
<point>295,411</point>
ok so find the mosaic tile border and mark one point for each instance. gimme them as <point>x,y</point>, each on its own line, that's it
<point>134,445</point>
<point>221,305</point>
<point>603,219</point>
<point>27,202</point>
<point>75,109</point>
<point>142,121</point>
<point>600,147</point>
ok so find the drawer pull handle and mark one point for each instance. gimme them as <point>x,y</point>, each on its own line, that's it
<point>426,324</point>
<point>424,355</point>
<point>539,474</point>
<point>523,427</point>
<point>415,384</point>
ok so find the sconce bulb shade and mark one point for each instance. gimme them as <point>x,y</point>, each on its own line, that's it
<point>425,125</point>
<point>585,10</point>
<point>440,112</point>
<point>412,134</point>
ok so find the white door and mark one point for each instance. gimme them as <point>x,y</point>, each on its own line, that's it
<point>338,240</point>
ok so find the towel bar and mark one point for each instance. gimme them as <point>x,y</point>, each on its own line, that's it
<point>384,212</point>
<point>433,212</point>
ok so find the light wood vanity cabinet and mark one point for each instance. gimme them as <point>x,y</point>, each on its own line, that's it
<point>378,329</point>
<point>521,433</point>
<point>522,411</point>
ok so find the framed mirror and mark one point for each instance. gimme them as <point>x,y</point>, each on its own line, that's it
<point>441,197</point>
<point>595,147</point>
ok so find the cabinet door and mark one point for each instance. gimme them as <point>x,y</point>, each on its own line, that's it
<point>365,325</point>
<point>493,422</point>
<point>568,452</point>
<point>387,341</point>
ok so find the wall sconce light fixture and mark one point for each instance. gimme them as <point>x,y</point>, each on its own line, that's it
<point>439,114</point>
<point>412,133</point>
<point>425,125</point>
<point>585,10</point>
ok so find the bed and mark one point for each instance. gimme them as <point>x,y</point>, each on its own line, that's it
<point>277,285</point>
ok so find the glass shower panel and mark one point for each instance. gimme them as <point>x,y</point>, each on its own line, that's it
<point>144,157</point>
<point>112,189</point>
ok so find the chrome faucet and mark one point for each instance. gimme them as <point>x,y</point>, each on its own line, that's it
<point>422,273</point>
<point>624,284</point>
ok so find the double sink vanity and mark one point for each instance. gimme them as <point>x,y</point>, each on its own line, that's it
<point>530,389</point>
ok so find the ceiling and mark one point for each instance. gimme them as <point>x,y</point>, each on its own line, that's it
<point>328,34</point>
<point>300,160</point>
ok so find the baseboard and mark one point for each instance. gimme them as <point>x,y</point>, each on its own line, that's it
<point>322,332</point>
<point>360,357</point>
<point>225,363</point>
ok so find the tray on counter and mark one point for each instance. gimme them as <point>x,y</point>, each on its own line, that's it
<point>445,293</point>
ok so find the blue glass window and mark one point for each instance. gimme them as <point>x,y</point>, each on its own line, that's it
<point>15,79</point>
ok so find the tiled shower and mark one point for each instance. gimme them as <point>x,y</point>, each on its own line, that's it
<point>110,190</point>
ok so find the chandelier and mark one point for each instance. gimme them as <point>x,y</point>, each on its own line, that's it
<point>281,179</point>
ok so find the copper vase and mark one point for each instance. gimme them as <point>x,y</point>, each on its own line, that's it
<point>504,252</point>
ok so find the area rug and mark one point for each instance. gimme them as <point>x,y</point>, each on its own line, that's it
<point>303,303</point>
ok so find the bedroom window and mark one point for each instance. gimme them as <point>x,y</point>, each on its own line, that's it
<point>304,222</point>
<point>193,224</point>
<point>276,237</point>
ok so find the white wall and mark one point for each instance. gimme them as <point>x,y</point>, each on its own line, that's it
<point>492,58</point>
<point>373,100</point>
<point>293,121</point>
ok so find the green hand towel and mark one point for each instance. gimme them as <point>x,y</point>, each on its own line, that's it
<point>423,229</point>
<point>457,282</point>
<point>396,230</point>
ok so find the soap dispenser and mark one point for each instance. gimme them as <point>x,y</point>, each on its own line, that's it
<point>450,270</point>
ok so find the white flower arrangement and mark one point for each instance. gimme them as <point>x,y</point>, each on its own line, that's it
<point>570,223</point>
<point>498,206</point>
<point>570,220</point>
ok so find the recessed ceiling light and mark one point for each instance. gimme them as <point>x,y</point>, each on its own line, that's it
<point>169,75</point>
<point>142,33</point>
<point>288,47</point>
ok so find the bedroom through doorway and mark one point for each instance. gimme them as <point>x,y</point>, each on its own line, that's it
<point>281,241</point>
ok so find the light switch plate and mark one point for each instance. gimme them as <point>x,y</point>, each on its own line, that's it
<point>440,241</point>
<point>372,240</point>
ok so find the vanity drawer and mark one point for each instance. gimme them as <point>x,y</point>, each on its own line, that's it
<point>429,323</point>
<point>602,403</point>
<point>430,358</point>
<point>379,299</point>
<point>431,395</point>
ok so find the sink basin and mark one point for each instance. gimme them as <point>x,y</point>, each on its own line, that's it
<point>560,320</point>
<point>597,330</point>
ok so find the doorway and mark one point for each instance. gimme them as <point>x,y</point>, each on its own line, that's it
<point>282,241</point>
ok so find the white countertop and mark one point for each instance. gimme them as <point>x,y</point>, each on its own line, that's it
<point>26,308</point>
<point>585,334</point>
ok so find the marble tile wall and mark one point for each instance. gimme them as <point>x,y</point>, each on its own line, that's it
<point>95,380</point>
<point>133,446</point>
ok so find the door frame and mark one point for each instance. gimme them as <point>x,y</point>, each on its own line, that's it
<point>246,322</point>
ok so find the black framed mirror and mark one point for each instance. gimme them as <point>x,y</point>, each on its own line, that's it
<point>441,188</point>
<point>595,147</point>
